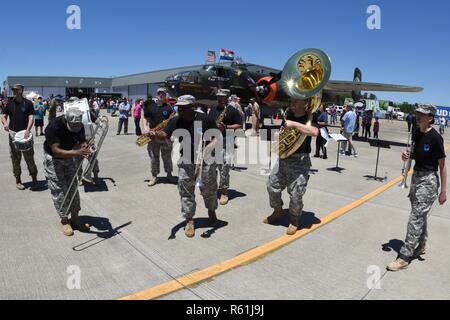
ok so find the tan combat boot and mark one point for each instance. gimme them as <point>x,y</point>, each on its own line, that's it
<point>212,218</point>
<point>276,216</point>
<point>189,230</point>
<point>292,230</point>
<point>293,227</point>
<point>19,184</point>
<point>152,181</point>
<point>224,198</point>
<point>77,225</point>
<point>399,264</point>
<point>66,227</point>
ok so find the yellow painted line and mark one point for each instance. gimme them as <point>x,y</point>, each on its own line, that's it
<point>245,258</point>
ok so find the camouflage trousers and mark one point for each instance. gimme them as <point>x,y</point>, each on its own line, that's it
<point>423,193</point>
<point>157,149</point>
<point>186,188</point>
<point>16,158</point>
<point>293,174</point>
<point>224,169</point>
<point>59,174</point>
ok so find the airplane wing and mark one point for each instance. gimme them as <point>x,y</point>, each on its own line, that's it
<point>349,86</point>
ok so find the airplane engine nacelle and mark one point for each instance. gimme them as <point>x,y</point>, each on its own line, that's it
<point>266,90</point>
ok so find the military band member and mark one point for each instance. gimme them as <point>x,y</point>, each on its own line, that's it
<point>188,119</point>
<point>232,120</point>
<point>292,173</point>
<point>64,142</point>
<point>155,114</point>
<point>429,156</point>
<point>19,116</point>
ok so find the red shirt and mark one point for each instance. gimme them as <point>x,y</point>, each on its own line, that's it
<point>376,126</point>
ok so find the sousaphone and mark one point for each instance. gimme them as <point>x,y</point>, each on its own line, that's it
<point>303,78</point>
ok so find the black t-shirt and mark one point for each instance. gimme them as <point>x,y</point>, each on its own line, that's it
<point>155,114</point>
<point>178,123</point>
<point>306,146</point>
<point>18,114</point>
<point>58,133</point>
<point>428,150</point>
<point>315,120</point>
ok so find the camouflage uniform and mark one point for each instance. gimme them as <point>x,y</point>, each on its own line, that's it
<point>186,187</point>
<point>156,148</point>
<point>224,169</point>
<point>59,173</point>
<point>424,192</point>
<point>16,158</point>
<point>293,174</point>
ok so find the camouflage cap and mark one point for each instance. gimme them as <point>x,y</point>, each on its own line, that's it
<point>74,116</point>
<point>186,100</point>
<point>427,109</point>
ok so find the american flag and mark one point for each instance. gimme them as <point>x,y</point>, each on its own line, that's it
<point>211,57</point>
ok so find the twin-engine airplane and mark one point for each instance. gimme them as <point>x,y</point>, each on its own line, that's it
<point>266,85</point>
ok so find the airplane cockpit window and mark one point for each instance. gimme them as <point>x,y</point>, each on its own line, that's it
<point>211,69</point>
<point>183,76</point>
<point>222,72</point>
<point>194,77</point>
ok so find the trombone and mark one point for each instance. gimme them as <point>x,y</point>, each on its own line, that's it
<point>103,125</point>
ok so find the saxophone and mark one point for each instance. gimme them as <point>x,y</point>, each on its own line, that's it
<point>221,117</point>
<point>144,140</point>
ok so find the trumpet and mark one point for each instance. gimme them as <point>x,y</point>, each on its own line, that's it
<point>407,164</point>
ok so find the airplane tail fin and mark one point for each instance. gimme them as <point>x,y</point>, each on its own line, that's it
<point>357,77</point>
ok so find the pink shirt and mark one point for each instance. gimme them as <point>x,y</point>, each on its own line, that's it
<point>137,111</point>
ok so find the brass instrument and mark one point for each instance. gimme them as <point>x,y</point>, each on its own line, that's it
<point>407,164</point>
<point>221,117</point>
<point>144,140</point>
<point>304,76</point>
<point>103,125</point>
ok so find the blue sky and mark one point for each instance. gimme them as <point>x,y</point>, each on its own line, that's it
<point>133,36</point>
